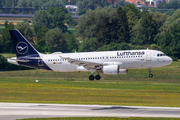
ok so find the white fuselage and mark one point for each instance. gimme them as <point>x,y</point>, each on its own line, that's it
<point>128,59</point>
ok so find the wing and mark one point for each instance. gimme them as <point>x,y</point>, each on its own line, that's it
<point>85,64</point>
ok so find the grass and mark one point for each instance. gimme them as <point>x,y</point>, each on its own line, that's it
<point>11,20</point>
<point>1,27</point>
<point>31,26</point>
<point>69,92</point>
<point>8,55</point>
<point>71,29</point>
<point>101,118</point>
<point>134,88</point>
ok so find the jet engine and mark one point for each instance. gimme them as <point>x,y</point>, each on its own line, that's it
<point>113,70</point>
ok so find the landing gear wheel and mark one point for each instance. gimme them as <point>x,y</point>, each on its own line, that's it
<point>91,77</point>
<point>150,75</point>
<point>97,77</point>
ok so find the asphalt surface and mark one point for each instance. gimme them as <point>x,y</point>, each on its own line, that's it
<point>12,111</point>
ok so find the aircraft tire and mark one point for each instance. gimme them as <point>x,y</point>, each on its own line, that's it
<point>91,77</point>
<point>97,77</point>
<point>150,75</point>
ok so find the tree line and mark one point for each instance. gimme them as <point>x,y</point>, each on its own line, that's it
<point>173,4</point>
<point>33,3</point>
<point>129,28</point>
<point>83,5</point>
<point>105,28</point>
<point>48,34</point>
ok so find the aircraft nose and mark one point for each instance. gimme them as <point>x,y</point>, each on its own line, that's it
<point>169,60</point>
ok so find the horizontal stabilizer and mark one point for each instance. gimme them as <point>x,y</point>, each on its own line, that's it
<point>19,60</point>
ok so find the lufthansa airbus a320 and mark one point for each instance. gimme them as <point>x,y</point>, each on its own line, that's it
<point>107,62</point>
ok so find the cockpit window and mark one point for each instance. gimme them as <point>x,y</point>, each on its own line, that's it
<point>159,55</point>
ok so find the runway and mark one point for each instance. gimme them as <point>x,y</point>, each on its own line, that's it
<point>12,111</point>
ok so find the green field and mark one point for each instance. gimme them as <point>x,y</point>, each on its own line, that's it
<point>2,27</point>
<point>15,21</point>
<point>101,118</point>
<point>71,29</point>
<point>11,21</point>
<point>134,88</point>
<point>8,55</point>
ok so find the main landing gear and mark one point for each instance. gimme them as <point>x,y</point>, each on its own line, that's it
<point>97,77</point>
<point>150,75</point>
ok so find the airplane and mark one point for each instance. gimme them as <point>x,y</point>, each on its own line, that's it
<point>106,62</point>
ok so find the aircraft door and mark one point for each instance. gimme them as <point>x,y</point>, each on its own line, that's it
<point>40,62</point>
<point>148,56</point>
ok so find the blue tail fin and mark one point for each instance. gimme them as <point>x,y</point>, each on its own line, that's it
<point>21,45</point>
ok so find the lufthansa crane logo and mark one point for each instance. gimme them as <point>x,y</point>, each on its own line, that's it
<point>22,48</point>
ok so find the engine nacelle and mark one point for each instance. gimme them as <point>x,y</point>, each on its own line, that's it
<point>113,70</point>
<point>123,71</point>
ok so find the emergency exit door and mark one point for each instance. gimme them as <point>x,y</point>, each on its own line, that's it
<point>148,56</point>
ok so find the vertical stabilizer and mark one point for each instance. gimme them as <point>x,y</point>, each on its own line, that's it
<point>21,45</point>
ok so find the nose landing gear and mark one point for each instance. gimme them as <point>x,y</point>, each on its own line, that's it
<point>150,75</point>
